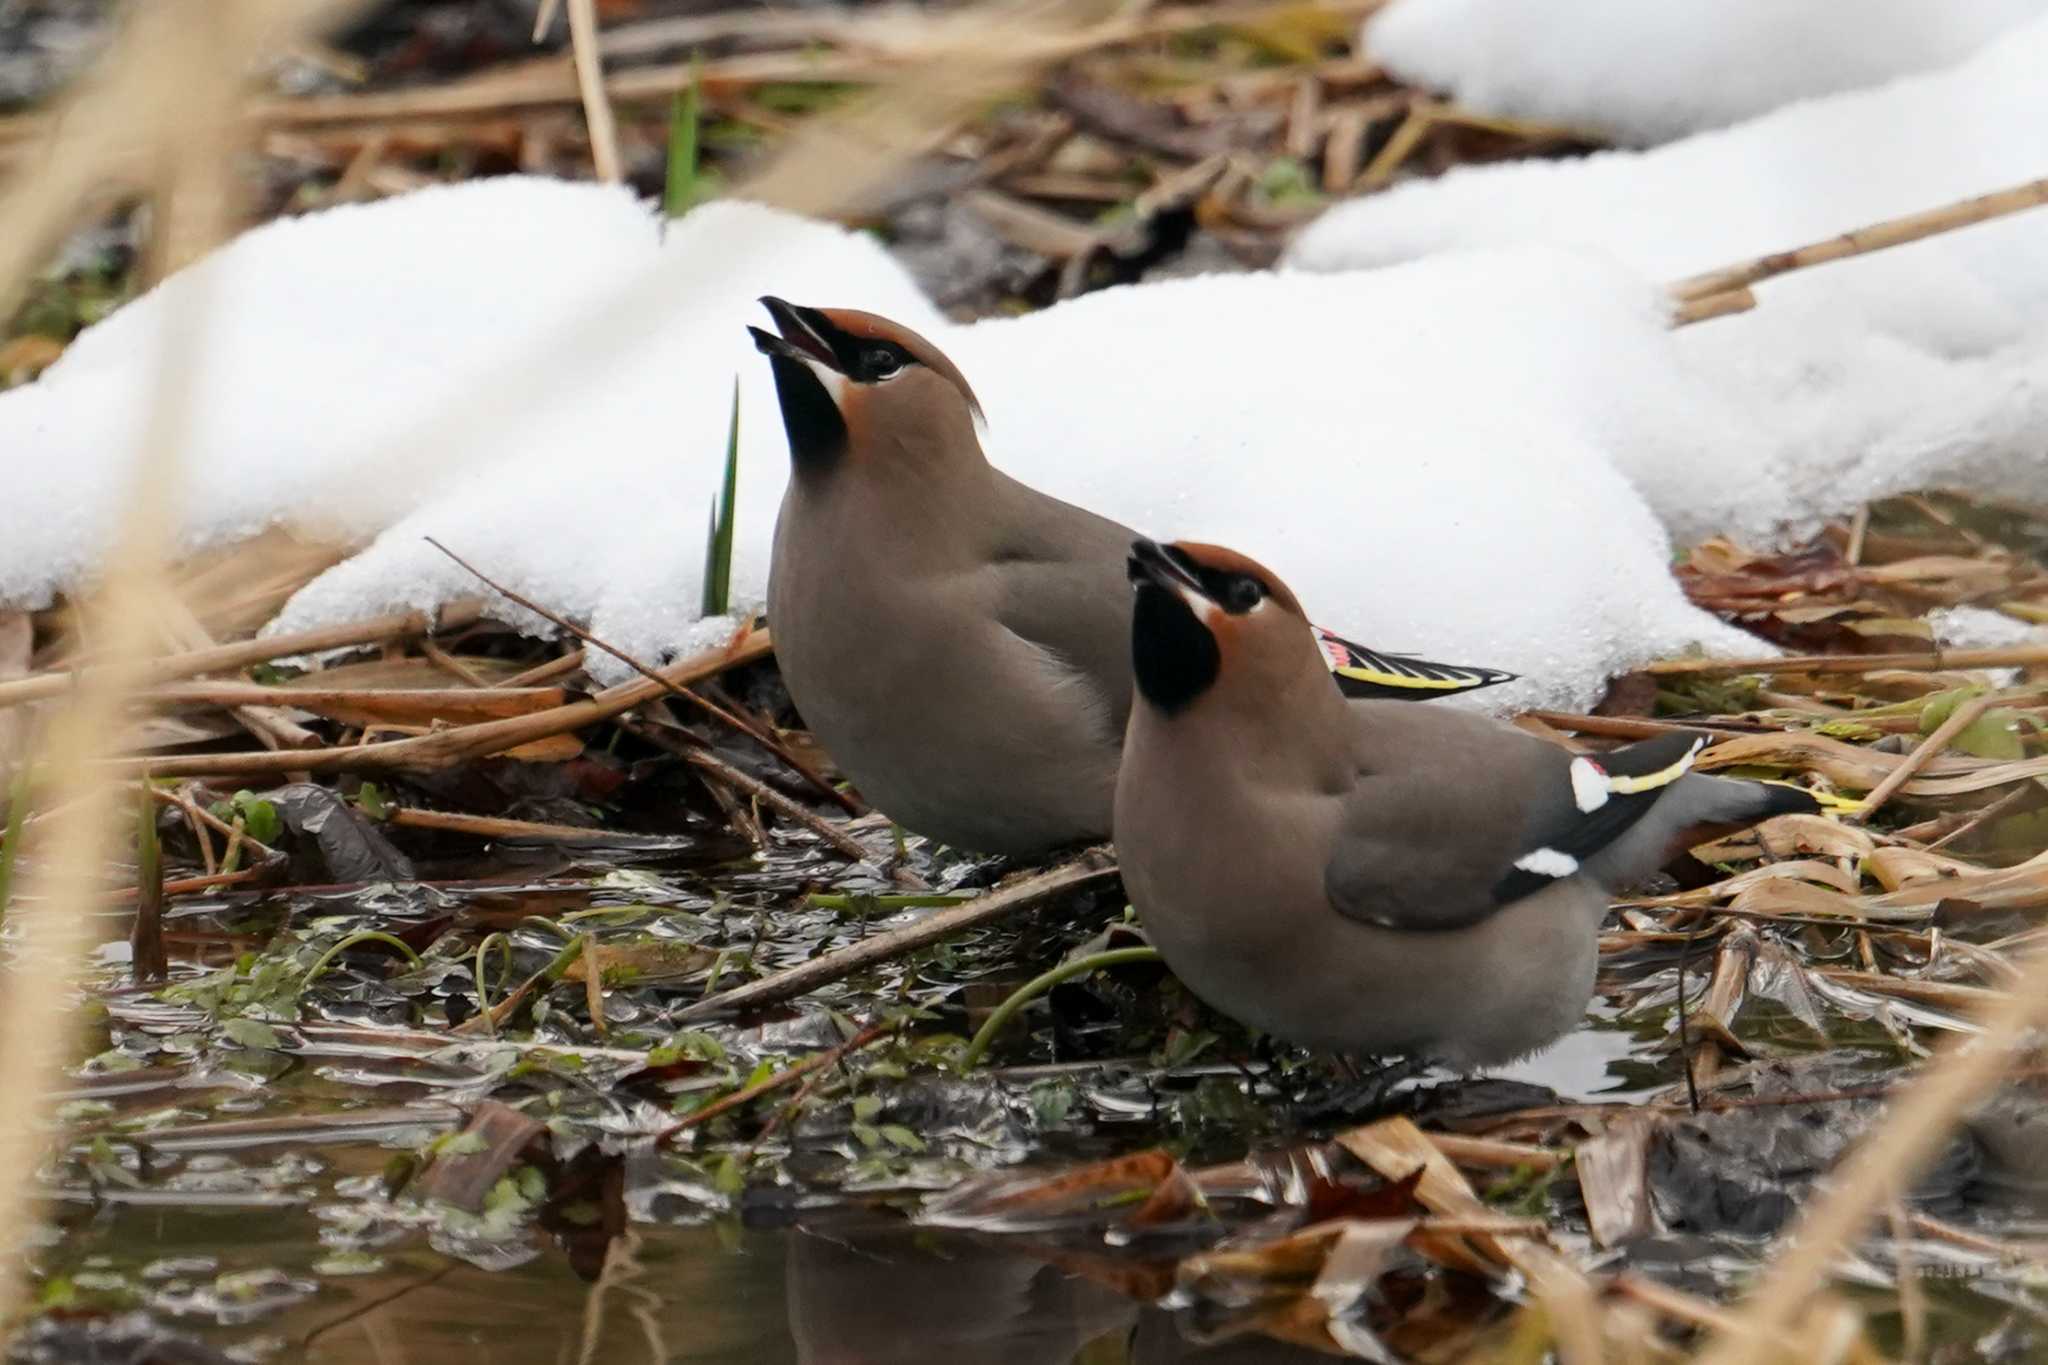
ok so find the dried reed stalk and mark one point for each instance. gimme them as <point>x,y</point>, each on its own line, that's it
<point>597,105</point>
<point>443,748</point>
<point>171,84</point>
<point>1089,869</point>
<point>2013,656</point>
<point>242,653</point>
<point>1717,293</point>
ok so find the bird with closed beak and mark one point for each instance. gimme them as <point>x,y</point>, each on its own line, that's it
<point>1373,878</point>
<point>960,642</point>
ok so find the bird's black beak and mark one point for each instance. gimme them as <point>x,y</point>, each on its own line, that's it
<point>1163,566</point>
<point>1174,655</point>
<point>807,335</point>
<point>807,371</point>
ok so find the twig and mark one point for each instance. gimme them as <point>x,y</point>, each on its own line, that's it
<point>189,884</point>
<point>705,704</point>
<point>2014,656</point>
<point>1984,816</point>
<point>368,705</point>
<point>202,816</point>
<point>243,653</point>
<point>1688,311</point>
<point>449,664</point>
<point>446,747</point>
<point>272,728</point>
<point>1641,727</point>
<point>1929,749</point>
<point>522,831</point>
<point>1494,1153</point>
<point>753,787</point>
<point>768,796</point>
<point>1091,869</point>
<point>1892,232</point>
<point>547,672</point>
<point>1405,139</point>
<point>777,1081</point>
<point>597,105</point>
<point>810,1085</point>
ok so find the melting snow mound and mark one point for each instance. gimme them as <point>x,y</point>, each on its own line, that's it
<point>1647,71</point>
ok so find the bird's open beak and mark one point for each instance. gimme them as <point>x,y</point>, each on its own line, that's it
<point>806,334</point>
<point>1165,567</point>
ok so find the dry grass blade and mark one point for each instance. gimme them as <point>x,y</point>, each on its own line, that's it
<point>445,747</point>
<point>1396,1147</point>
<point>369,706</point>
<point>745,727</point>
<point>244,653</point>
<point>1614,1177</point>
<point>1726,990</point>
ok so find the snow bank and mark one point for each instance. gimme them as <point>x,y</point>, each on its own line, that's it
<point>1645,71</point>
<point>1250,410</point>
<point>1481,454</point>
<point>1926,364</point>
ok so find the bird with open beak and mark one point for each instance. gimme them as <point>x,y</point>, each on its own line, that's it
<point>1373,878</point>
<point>959,641</point>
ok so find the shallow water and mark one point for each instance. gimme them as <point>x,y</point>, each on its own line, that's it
<point>231,1195</point>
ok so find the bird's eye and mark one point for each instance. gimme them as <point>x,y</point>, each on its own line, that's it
<point>883,362</point>
<point>1245,593</point>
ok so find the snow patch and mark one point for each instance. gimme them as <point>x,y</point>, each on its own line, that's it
<point>1920,365</point>
<point>1647,71</point>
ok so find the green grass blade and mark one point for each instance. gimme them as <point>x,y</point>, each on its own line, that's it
<point>717,599</point>
<point>680,189</point>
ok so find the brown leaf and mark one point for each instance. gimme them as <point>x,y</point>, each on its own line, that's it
<point>640,963</point>
<point>1018,1201</point>
<point>1614,1176</point>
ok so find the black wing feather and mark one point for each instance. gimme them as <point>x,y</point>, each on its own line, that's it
<point>1582,834</point>
<point>1363,673</point>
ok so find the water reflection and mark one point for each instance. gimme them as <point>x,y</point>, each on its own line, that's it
<point>866,1290</point>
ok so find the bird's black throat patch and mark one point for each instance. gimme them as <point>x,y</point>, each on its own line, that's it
<point>1173,655</point>
<point>817,433</point>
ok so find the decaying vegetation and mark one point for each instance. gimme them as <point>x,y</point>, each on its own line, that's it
<point>493,966</point>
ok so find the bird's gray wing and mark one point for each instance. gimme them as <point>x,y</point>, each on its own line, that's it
<point>1443,845</point>
<point>1060,584</point>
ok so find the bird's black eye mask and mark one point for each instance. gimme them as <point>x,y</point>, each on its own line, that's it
<point>1174,652</point>
<point>1237,593</point>
<point>871,362</point>
<point>1174,657</point>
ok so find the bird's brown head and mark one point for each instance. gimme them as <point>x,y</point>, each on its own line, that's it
<point>853,382</point>
<point>1207,619</point>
